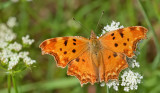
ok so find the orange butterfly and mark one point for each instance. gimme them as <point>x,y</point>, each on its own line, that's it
<point>95,59</point>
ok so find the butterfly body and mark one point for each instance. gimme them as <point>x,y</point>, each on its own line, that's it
<point>94,44</point>
<point>95,59</point>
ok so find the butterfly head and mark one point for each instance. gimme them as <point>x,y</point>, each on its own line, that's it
<point>93,35</point>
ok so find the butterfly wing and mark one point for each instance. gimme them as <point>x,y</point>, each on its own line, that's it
<point>64,49</point>
<point>84,68</point>
<point>111,65</point>
<point>123,40</point>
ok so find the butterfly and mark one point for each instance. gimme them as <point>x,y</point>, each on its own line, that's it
<point>95,59</point>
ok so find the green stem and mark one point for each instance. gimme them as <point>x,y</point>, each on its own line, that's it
<point>157,59</point>
<point>107,89</point>
<point>14,83</point>
<point>2,68</point>
<point>9,83</point>
<point>150,26</point>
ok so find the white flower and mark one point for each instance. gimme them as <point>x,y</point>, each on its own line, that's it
<point>11,22</point>
<point>126,89</point>
<point>13,61</point>
<point>3,27</point>
<point>130,80</point>
<point>4,60</point>
<point>3,44</point>
<point>15,46</point>
<point>6,53</point>
<point>113,83</point>
<point>14,1</point>
<point>6,33</point>
<point>26,40</point>
<point>10,36</point>
<point>114,26</point>
<point>29,61</point>
<point>23,54</point>
<point>133,63</point>
<point>11,53</point>
<point>102,84</point>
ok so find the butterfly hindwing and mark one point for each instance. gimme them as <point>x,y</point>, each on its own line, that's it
<point>83,68</point>
<point>112,64</point>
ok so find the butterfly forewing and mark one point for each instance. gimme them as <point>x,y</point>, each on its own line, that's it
<point>64,49</point>
<point>123,40</point>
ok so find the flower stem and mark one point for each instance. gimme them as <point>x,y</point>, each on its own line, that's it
<point>14,83</point>
<point>155,63</point>
<point>9,83</point>
<point>107,89</point>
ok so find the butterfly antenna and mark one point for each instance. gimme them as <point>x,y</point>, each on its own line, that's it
<point>80,24</point>
<point>99,20</point>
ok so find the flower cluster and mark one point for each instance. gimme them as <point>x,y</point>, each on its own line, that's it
<point>26,40</point>
<point>114,83</point>
<point>133,63</point>
<point>130,79</point>
<point>12,56</point>
<point>114,26</point>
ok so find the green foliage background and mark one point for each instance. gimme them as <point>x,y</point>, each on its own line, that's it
<point>43,19</point>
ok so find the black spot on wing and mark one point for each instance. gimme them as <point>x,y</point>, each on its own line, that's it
<point>121,34</point>
<point>133,28</point>
<point>113,38</point>
<point>77,59</point>
<point>74,39</point>
<point>65,52</point>
<point>114,54</point>
<point>112,34</point>
<point>65,42</point>
<point>83,60</point>
<point>116,45</point>
<point>124,44</point>
<point>74,43</point>
<point>73,50</point>
<point>109,57</point>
